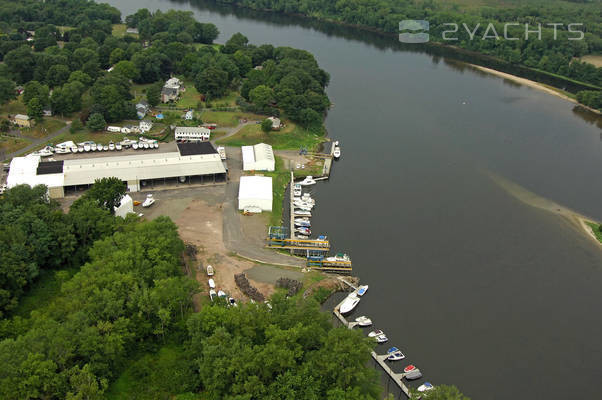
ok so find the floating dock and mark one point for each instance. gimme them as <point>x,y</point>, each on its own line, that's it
<point>397,378</point>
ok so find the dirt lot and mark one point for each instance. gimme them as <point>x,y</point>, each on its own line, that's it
<point>198,212</point>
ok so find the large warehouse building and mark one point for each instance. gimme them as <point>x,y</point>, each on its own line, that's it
<point>255,191</point>
<point>192,163</point>
<point>258,158</point>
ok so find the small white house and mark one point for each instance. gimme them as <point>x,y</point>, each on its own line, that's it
<point>145,126</point>
<point>192,134</point>
<point>255,191</point>
<point>276,123</point>
<point>125,207</point>
<point>258,158</point>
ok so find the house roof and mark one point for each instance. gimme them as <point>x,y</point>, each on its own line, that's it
<point>191,149</point>
<point>169,91</point>
<point>255,187</point>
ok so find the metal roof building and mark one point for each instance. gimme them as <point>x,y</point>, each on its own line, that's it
<point>190,163</point>
<point>255,191</point>
<point>258,158</point>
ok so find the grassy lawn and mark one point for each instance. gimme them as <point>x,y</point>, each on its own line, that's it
<point>595,59</point>
<point>227,118</point>
<point>10,144</point>
<point>190,98</point>
<point>139,90</point>
<point>228,100</point>
<point>13,107</point>
<point>596,228</point>
<point>119,31</point>
<point>154,375</point>
<point>280,181</point>
<point>292,137</point>
<point>43,291</point>
<point>44,128</point>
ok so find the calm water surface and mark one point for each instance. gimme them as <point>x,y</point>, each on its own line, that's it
<point>479,289</point>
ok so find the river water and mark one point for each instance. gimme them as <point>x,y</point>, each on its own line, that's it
<point>478,288</point>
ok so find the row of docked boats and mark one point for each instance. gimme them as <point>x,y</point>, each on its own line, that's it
<point>410,372</point>
<point>303,204</point>
<point>89,146</point>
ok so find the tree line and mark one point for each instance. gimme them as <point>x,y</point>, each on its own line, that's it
<point>554,53</point>
<point>86,69</point>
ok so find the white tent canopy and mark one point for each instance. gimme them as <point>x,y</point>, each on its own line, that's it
<point>258,158</point>
<point>255,191</point>
<point>126,206</point>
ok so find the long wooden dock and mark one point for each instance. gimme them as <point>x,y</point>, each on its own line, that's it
<point>380,359</point>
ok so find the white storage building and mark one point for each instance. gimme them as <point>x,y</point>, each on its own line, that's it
<point>192,163</point>
<point>255,191</point>
<point>258,158</point>
<point>192,134</point>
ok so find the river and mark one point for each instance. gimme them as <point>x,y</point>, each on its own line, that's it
<point>478,288</point>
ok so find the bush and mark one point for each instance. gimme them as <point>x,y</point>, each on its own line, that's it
<point>76,125</point>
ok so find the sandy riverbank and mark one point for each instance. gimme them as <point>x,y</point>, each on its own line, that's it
<point>577,220</point>
<point>532,84</point>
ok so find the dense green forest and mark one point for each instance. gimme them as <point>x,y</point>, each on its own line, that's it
<point>131,296</point>
<point>61,52</point>
<point>558,57</point>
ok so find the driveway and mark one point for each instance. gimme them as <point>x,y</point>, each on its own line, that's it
<point>35,142</point>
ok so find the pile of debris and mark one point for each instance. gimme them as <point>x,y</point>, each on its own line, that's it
<point>292,285</point>
<point>251,291</point>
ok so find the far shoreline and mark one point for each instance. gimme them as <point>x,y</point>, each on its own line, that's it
<point>532,84</point>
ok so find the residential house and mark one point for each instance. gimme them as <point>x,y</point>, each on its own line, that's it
<point>23,121</point>
<point>171,90</point>
<point>142,109</point>
<point>276,124</point>
<point>192,134</point>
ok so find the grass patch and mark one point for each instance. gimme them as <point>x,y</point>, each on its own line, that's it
<point>190,98</point>
<point>119,30</point>
<point>158,375</point>
<point>280,180</point>
<point>292,137</point>
<point>14,107</point>
<point>43,291</point>
<point>10,144</point>
<point>44,128</point>
<point>595,59</point>
<point>596,229</point>
<point>228,118</point>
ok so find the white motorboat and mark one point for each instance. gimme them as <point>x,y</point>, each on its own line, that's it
<point>127,142</point>
<point>210,270</point>
<point>349,303</point>
<point>146,145</point>
<point>221,150</point>
<point>381,339</point>
<point>150,200</point>
<point>105,148</point>
<point>302,213</point>
<point>297,190</point>
<point>211,283</point>
<point>395,354</point>
<point>307,197</point>
<point>62,150</point>
<point>425,387</point>
<point>304,237</point>
<point>362,290</point>
<point>338,257</point>
<point>93,146</point>
<point>135,145</point>
<point>376,333</point>
<point>309,180</point>
<point>74,149</point>
<point>303,230</point>
<point>111,146</point>
<point>221,293</point>
<point>87,147</point>
<point>156,145</point>
<point>306,224</point>
<point>413,374</point>
<point>212,294</point>
<point>302,205</point>
<point>302,219</point>
<point>80,149</point>
<point>118,146</point>
<point>363,321</point>
<point>337,152</point>
<point>336,143</point>
<point>42,153</point>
